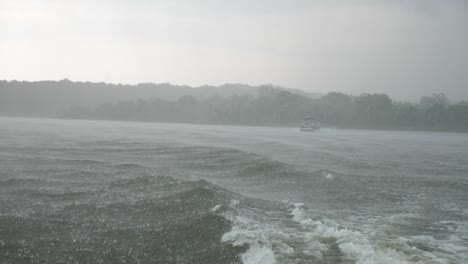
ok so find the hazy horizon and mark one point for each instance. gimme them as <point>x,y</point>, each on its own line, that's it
<point>396,99</point>
<point>403,49</point>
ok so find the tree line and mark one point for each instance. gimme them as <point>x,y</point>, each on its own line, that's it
<point>47,98</point>
<point>282,108</point>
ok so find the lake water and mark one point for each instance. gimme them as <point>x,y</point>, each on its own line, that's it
<point>118,192</point>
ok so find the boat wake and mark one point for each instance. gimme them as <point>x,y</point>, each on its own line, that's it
<point>87,211</point>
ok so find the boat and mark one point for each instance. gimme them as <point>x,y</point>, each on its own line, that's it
<point>310,124</point>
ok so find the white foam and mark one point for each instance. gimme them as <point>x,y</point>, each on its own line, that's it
<point>216,208</point>
<point>254,234</point>
<point>353,244</point>
<point>267,240</point>
<point>234,203</point>
<point>327,175</point>
<point>259,255</point>
<point>274,238</point>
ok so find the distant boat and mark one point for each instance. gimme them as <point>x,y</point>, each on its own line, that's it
<point>310,124</point>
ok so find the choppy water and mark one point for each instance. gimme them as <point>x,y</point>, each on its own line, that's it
<point>114,192</point>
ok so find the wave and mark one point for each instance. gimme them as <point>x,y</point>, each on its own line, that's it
<point>51,195</point>
<point>305,236</point>
<point>129,166</point>
<point>91,211</point>
<point>182,223</point>
<point>21,182</point>
<point>160,219</point>
<point>80,162</point>
<point>327,239</point>
<point>262,166</point>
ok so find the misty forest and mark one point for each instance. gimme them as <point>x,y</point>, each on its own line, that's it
<point>231,104</point>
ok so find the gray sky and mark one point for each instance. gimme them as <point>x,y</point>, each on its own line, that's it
<point>403,48</point>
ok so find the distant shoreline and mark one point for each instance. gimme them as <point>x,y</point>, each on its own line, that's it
<point>234,104</point>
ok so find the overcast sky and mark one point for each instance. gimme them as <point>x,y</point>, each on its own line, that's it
<point>403,48</point>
